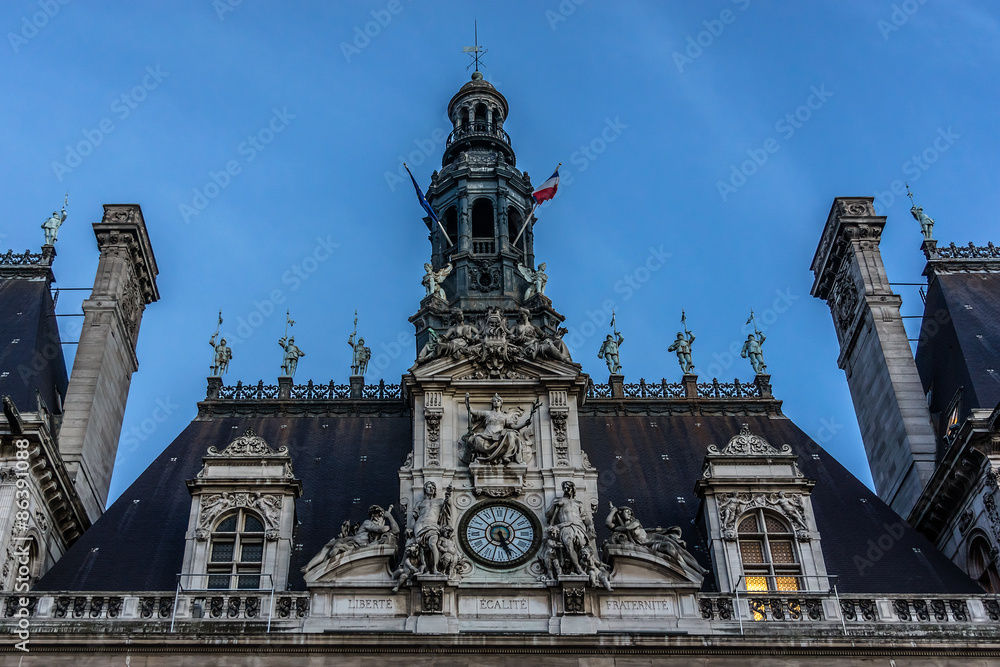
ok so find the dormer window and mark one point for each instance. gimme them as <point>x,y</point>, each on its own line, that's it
<point>768,553</point>
<point>237,552</point>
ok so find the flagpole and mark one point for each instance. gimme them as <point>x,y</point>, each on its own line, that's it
<point>527,220</point>
<point>437,219</point>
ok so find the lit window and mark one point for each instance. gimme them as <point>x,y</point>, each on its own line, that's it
<point>236,552</point>
<point>767,551</point>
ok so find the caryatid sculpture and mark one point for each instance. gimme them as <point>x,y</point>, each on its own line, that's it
<point>754,349</point>
<point>665,542</point>
<point>431,516</point>
<point>361,355</point>
<point>54,222</point>
<point>536,279</point>
<point>575,526</point>
<point>291,358</point>
<point>498,439</point>
<point>223,355</point>
<point>433,279</point>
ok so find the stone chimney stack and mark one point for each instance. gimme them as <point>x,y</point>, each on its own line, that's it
<point>875,353</point>
<point>105,358</point>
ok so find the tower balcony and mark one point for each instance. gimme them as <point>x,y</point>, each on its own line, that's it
<point>476,130</point>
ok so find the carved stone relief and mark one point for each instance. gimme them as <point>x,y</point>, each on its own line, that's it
<point>733,505</point>
<point>212,505</point>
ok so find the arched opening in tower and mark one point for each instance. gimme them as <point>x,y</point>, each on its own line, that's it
<point>451,224</point>
<point>464,118</point>
<point>514,220</point>
<point>483,240</point>
<point>480,124</point>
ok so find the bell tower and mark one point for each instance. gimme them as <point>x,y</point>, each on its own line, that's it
<point>485,251</point>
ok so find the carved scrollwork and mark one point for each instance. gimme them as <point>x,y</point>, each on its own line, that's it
<point>734,505</point>
<point>747,444</point>
<point>559,437</point>
<point>248,445</point>
<point>433,449</point>
<point>269,506</point>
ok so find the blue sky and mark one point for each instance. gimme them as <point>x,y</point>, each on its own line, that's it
<point>649,105</point>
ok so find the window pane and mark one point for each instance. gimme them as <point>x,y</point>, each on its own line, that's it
<point>218,581</point>
<point>222,552</point>
<point>756,583</point>
<point>253,525</point>
<point>248,581</point>
<point>781,552</point>
<point>787,583</point>
<point>748,525</point>
<point>775,525</point>
<point>252,553</point>
<point>752,552</point>
<point>227,526</point>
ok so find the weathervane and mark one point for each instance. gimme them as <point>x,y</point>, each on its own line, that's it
<point>475,52</point>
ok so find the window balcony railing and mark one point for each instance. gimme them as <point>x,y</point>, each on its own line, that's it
<point>484,246</point>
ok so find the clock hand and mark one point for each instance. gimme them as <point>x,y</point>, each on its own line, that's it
<point>503,543</point>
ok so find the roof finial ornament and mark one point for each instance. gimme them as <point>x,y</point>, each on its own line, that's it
<point>926,222</point>
<point>475,52</point>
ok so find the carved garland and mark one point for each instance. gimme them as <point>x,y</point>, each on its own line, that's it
<point>433,420</point>
<point>734,505</point>
<point>561,443</point>
<point>269,506</point>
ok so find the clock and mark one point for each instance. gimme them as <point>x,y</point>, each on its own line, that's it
<point>500,533</point>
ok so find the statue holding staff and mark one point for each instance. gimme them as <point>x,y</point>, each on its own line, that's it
<point>55,221</point>
<point>682,346</point>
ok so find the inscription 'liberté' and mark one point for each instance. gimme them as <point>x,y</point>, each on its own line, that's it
<point>369,603</point>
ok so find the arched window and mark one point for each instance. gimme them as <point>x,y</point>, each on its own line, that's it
<point>981,568</point>
<point>768,554</point>
<point>482,219</point>
<point>464,116</point>
<point>497,119</point>
<point>480,116</point>
<point>237,552</point>
<point>451,224</point>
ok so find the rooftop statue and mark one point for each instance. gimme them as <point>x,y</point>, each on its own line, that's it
<point>498,438</point>
<point>609,352</point>
<point>54,222</point>
<point>430,348</point>
<point>575,526</point>
<point>754,347</point>
<point>223,355</point>
<point>433,279</point>
<point>926,222</point>
<point>362,354</point>
<point>292,354</point>
<point>458,337</point>
<point>666,542</point>
<point>682,346</point>
<point>536,279</point>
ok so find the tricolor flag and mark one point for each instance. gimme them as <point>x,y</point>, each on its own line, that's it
<point>426,206</point>
<point>547,190</point>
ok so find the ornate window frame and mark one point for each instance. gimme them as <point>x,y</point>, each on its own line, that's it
<point>247,478</point>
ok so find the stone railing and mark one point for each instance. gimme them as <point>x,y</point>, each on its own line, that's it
<point>191,606</point>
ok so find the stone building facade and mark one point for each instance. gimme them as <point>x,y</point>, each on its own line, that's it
<point>497,503</point>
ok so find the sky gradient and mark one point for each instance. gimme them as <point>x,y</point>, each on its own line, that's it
<point>264,143</point>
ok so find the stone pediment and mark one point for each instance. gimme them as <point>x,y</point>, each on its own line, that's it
<point>466,369</point>
<point>371,565</point>
<point>634,565</point>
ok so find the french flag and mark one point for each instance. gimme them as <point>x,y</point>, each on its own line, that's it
<point>547,190</point>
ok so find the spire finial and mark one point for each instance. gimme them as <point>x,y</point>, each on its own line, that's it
<point>476,53</point>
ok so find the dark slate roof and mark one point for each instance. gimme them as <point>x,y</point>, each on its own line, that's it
<point>36,360</point>
<point>628,451</point>
<point>960,341</point>
<point>139,546</point>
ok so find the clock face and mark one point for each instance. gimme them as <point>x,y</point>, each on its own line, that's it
<point>500,534</point>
